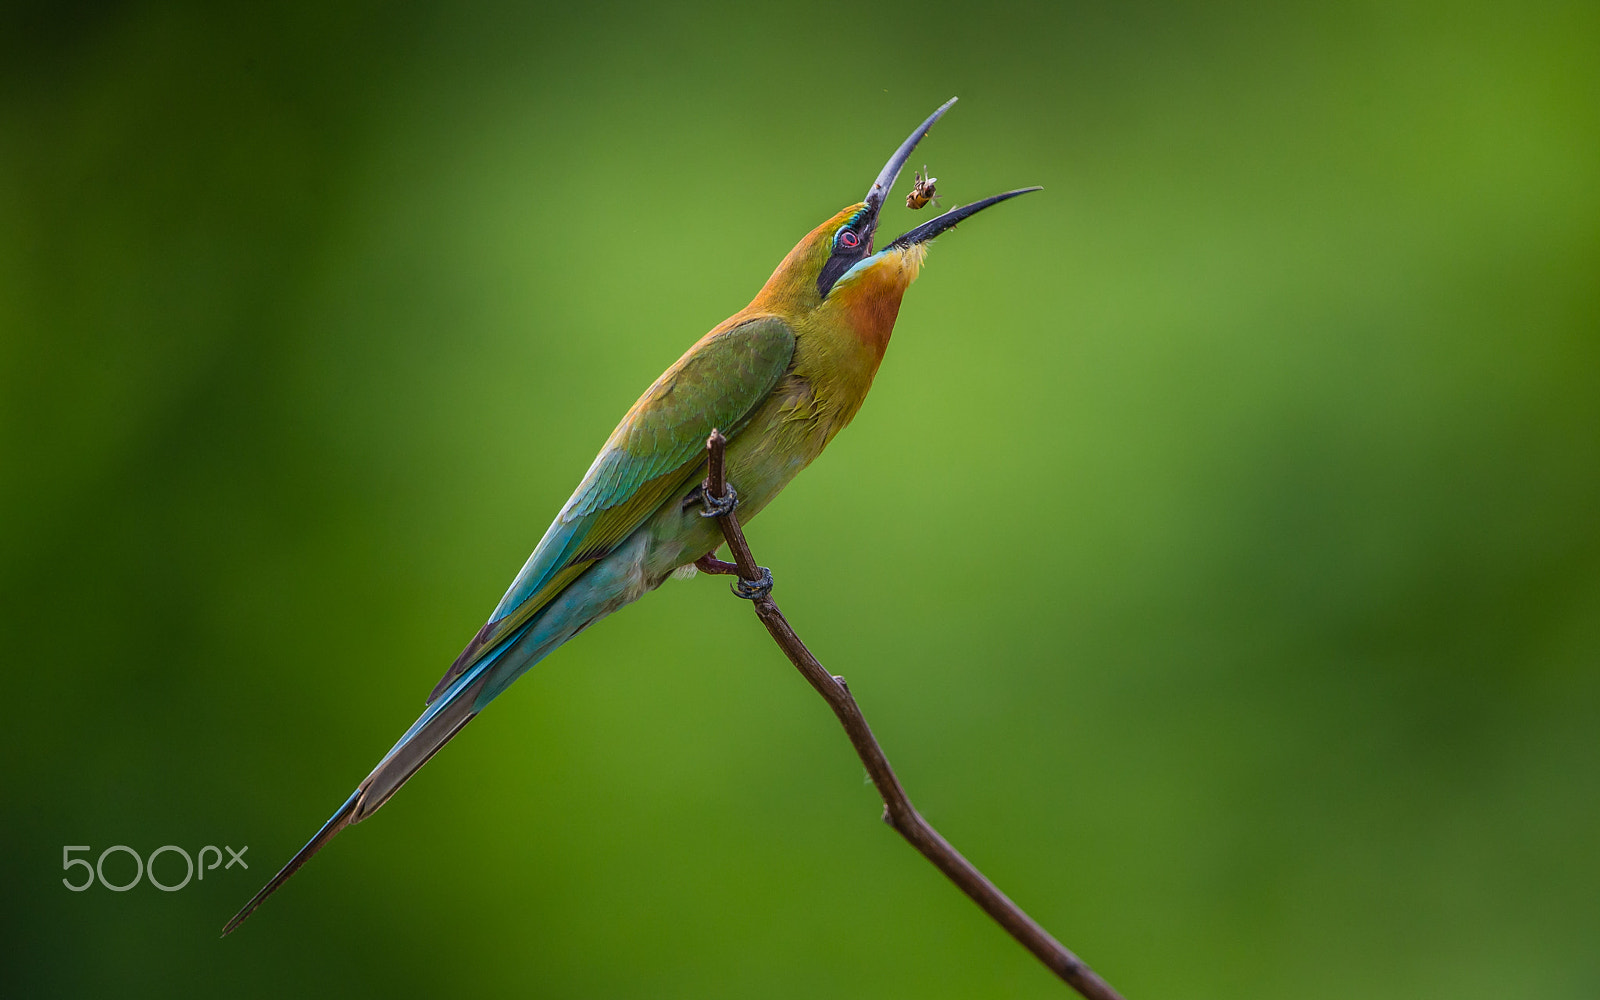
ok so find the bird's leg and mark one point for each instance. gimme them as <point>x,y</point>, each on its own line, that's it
<point>714,506</point>
<point>709,563</point>
<point>750,590</point>
<point>723,506</point>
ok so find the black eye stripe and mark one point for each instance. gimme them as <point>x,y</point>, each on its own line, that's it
<point>849,247</point>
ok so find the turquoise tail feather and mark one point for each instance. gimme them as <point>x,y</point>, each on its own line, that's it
<point>605,587</point>
<point>442,720</point>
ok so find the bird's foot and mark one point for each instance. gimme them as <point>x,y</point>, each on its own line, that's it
<point>718,506</point>
<point>754,590</point>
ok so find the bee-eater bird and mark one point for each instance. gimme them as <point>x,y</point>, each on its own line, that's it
<point>779,378</point>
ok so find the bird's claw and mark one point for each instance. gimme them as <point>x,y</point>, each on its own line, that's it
<point>754,590</point>
<point>718,506</point>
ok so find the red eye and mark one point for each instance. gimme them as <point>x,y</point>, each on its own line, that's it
<point>848,239</point>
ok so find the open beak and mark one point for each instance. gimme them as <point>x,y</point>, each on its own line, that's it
<point>933,227</point>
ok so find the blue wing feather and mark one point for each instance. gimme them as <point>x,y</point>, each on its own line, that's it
<point>716,385</point>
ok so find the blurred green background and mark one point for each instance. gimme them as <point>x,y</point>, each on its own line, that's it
<point>1217,556</point>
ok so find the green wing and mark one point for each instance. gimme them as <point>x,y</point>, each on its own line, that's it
<point>649,459</point>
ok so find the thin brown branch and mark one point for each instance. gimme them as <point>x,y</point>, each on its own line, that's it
<point>898,811</point>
